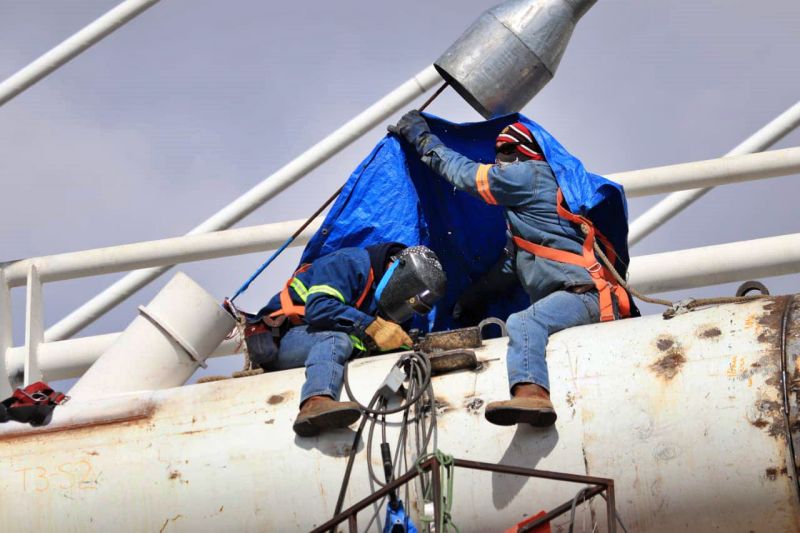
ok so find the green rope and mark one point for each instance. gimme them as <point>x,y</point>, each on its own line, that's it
<point>446,472</point>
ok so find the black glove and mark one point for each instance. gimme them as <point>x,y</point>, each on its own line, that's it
<point>413,128</point>
<point>471,306</point>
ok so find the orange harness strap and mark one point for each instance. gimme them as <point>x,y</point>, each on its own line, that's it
<point>289,309</point>
<point>293,312</point>
<point>603,280</point>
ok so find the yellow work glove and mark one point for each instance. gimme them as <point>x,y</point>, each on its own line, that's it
<point>388,335</point>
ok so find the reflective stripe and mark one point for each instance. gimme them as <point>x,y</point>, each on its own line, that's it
<point>357,344</point>
<point>325,289</point>
<point>482,182</point>
<point>299,288</point>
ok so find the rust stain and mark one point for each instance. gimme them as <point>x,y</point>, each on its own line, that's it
<point>275,399</point>
<point>711,333</point>
<point>669,365</point>
<point>92,452</point>
<point>174,475</point>
<point>270,421</point>
<point>772,472</point>
<point>474,405</point>
<point>167,521</point>
<point>665,343</point>
<point>139,413</point>
<point>760,423</point>
<point>570,399</point>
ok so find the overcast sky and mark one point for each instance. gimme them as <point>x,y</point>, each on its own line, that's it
<point>191,104</point>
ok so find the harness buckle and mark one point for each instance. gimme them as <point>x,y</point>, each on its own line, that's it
<point>595,268</point>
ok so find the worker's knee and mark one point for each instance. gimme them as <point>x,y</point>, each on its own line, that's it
<point>333,346</point>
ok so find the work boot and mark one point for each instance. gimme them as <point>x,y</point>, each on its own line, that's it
<point>530,405</point>
<point>323,412</point>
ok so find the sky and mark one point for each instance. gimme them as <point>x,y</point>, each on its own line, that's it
<point>191,104</point>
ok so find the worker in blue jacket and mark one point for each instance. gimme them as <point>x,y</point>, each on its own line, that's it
<point>550,253</point>
<point>351,301</point>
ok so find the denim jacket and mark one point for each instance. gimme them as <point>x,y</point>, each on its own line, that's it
<point>527,191</point>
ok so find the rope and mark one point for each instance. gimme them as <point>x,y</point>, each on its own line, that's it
<point>675,308</point>
<point>447,470</point>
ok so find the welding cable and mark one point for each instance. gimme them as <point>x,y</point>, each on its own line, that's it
<point>377,412</point>
<point>580,494</point>
<point>418,373</point>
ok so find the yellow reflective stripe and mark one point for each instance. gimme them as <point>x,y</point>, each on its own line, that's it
<point>326,289</point>
<point>357,344</point>
<point>300,288</point>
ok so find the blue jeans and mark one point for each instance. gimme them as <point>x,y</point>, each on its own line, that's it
<point>529,330</point>
<point>324,354</point>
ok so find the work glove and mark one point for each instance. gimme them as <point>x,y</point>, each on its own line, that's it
<point>387,335</point>
<point>413,128</point>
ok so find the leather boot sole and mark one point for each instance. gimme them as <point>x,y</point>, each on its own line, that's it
<point>309,426</point>
<point>508,416</point>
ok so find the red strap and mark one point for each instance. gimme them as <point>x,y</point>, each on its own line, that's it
<point>370,279</point>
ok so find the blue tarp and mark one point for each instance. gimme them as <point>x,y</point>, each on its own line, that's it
<point>392,196</point>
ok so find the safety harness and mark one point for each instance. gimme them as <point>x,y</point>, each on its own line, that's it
<point>294,313</point>
<point>603,280</point>
<point>32,405</point>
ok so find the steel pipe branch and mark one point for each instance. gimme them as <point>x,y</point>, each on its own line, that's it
<point>254,198</point>
<point>712,265</point>
<point>678,201</point>
<point>709,173</point>
<point>158,253</point>
<point>71,47</point>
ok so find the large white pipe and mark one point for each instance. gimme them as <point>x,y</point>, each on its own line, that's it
<point>712,265</point>
<point>71,47</point>
<point>686,415</point>
<point>678,201</point>
<point>709,173</point>
<point>159,252</point>
<point>255,197</point>
<point>164,345</point>
<point>682,269</point>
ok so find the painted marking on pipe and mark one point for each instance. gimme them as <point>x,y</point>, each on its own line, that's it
<point>73,475</point>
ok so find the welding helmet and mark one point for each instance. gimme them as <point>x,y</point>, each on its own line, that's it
<point>413,283</point>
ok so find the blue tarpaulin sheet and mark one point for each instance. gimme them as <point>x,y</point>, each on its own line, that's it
<point>393,196</point>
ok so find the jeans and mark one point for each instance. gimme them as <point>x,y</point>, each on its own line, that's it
<point>324,354</point>
<point>529,330</point>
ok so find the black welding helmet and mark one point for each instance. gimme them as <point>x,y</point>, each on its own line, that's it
<point>413,283</point>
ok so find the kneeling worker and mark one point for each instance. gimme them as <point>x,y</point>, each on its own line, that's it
<point>349,302</point>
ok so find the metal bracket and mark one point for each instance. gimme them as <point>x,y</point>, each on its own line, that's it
<point>679,308</point>
<point>34,327</point>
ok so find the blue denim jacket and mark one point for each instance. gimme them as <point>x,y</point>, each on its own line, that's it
<point>527,190</point>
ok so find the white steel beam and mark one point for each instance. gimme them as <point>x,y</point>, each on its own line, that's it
<point>157,253</point>
<point>254,198</point>
<point>71,47</point>
<point>70,358</point>
<point>677,202</point>
<point>712,265</point>
<point>683,269</point>
<point>709,173</point>
<point>6,335</point>
<point>34,327</point>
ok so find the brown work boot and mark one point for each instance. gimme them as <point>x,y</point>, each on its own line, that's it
<point>323,412</point>
<point>530,405</point>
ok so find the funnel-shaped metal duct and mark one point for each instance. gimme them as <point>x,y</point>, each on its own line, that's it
<point>510,53</point>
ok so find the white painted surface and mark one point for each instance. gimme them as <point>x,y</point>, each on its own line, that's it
<point>681,413</point>
<point>163,346</point>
